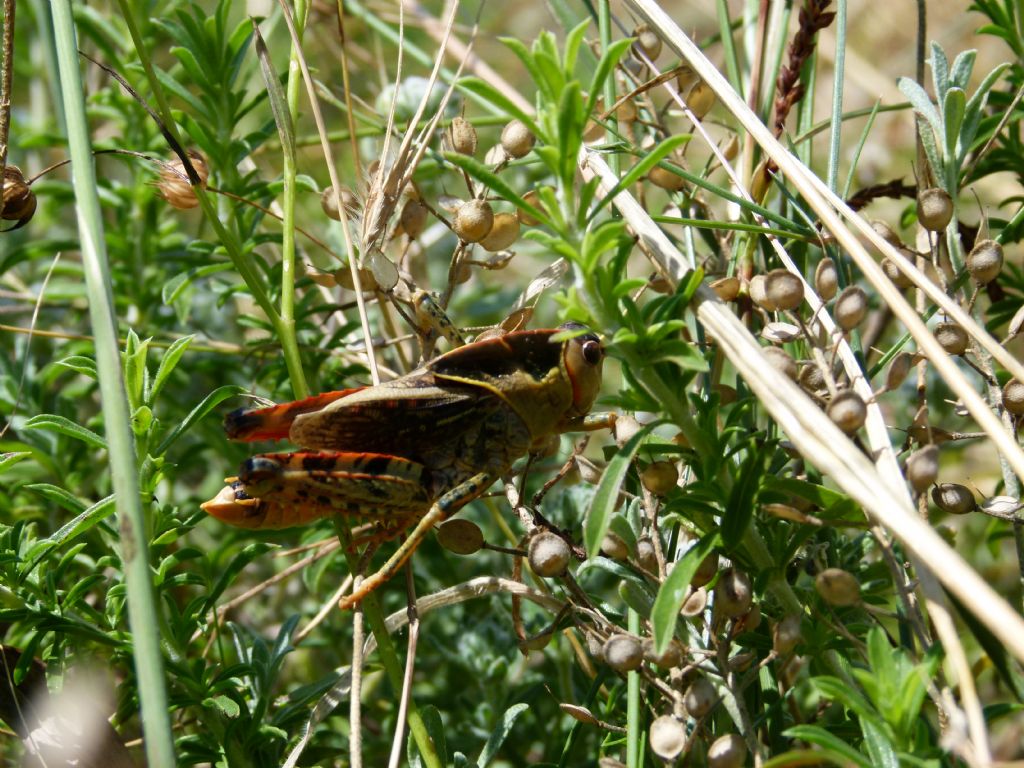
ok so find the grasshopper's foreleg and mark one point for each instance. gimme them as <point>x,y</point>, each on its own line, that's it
<point>591,422</point>
<point>442,509</point>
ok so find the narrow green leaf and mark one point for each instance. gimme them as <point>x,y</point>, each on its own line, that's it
<point>167,364</point>
<point>607,496</point>
<point>8,460</point>
<point>634,174</point>
<point>223,704</point>
<point>61,425</point>
<point>435,728</point>
<point>611,57</point>
<point>500,733</point>
<point>83,522</point>
<point>921,102</point>
<point>740,509</point>
<point>821,737</point>
<point>960,72</point>
<point>879,746</point>
<point>495,183</point>
<point>209,402</point>
<point>80,364</point>
<point>275,94</point>
<point>58,496</point>
<point>940,70</point>
<point>953,118</point>
<point>673,590</point>
<point>573,40</point>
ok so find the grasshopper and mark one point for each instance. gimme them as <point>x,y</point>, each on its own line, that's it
<point>418,448</point>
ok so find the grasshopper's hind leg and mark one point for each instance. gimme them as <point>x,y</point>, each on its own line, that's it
<point>441,510</point>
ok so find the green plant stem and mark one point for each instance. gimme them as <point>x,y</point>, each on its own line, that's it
<point>242,263</point>
<point>835,134</point>
<point>288,172</point>
<point>142,613</point>
<point>633,700</point>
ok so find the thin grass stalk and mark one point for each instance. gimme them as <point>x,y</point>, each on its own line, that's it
<point>132,522</point>
<point>633,700</point>
<point>838,76</point>
<point>6,76</point>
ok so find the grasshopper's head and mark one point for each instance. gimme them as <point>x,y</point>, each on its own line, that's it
<point>582,357</point>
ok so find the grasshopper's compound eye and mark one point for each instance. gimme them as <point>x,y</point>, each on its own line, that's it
<point>592,351</point>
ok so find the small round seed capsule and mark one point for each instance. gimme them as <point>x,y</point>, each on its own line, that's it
<point>673,655</point>
<point>811,379</point>
<point>786,634</point>
<point>728,751</point>
<point>504,232</point>
<point>548,554</point>
<point>19,199</point>
<point>700,100</point>
<point>517,139</point>
<point>705,571</point>
<point>727,288</point>
<point>413,218</point>
<point>685,78</point>
<point>667,737</point>
<point>954,498</point>
<point>847,411</point>
<point>951,337</point>
<point>886,232</point>
<point>826,279</point>
<point>934,209</point>
<point>898,370</point>
<point>533,198</point>
<point>328,203</point>
<point>758,290</point>
<point>666,179</point>
<point>733,593</point>
<point>784,289</point>
<point>923,468</point>
<point>851,306</point>
<point>622,653</point>
<point>647,41</point>
<point>985,261</point>
<point>695,603</point>
<point>463,537</point>
<point>700,697</point>
<point>612,546</point>
<point>462,136</point>
<point>1013,397</point>
<point>577,712</point>
<point>646,557</point>
<point>782,361</point>
<point>894,274</point>
<point>473,220</point>
<point>837,587</point>
<point>174,185</point>
<point>660,477</point>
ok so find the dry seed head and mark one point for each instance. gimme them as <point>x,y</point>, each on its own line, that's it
<point>695,603</point>
<point>837,587</point>
<point>667,737</point>
<point>934,209</point>
<point>614,547</point>
<point>784,289</point>
<point>19,199</point>
<point>898,370</point>
<point>577,712</point>
<point>463,537</point>
<point>895,275</point>
<point>1013,397</point>
<point>660,477</point>
<point>645,554</point>
<point>727,288</point>
<point>548,554</point>
<point>672,657</point>
<point>700,100</point>
<point>733,593</point>
<point>886,233</point>
<point>847,411</point>
<point>462,136</point>
<point>700,697</point>
<point>826,280</point>
<point>504,232</point>
<point>758,290</point>
<point>923,467</point>
<point>666,179</point>
<point>728,751</point>
<point>413,218</point>
<point>174,185</point>
<point>985,261</point>
<point>953,498</point>
<point>473,220</point>
<point>622,653</point>
<point>517,139</point>
<point>781,360</point>
<point>705,571</point>
<point>646,41</point>
<point>786,634</point>
<point>851,306</point>
<point>951,337</point>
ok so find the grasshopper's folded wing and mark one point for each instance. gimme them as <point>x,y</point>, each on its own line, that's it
<point>273,422</point>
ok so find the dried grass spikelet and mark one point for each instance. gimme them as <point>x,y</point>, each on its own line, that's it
<point>847,411</point>
<point>700,99</point>
<point>851,307</point>
<point>647,42</point>
<point>784,289</point>
<point>473,220</point>
<point>954,498</point>
<point>985,261</point>
<point>952,338</point>
<point>461,136</point>
<point>826,279</point>
<point>504,231</point>
<point>517,139</point>
<point>329,204</point>
<point>934,208</point>
<point>727,288</point>
<point>174,185</point>
<point>895,274</point>
<point>19,199</point>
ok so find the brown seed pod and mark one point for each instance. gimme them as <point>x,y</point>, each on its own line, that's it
<point>413,218</point>
<point>174,185</point>
<point>622,653</point>
<point>782,361</point>
<point>727,288</point>
<point>673,656</point>
<point>647,42</point>
<point>533,198</point>
<point>705,571</point>
<point>786,634</point>
<point>700,100</point>
<point>612,546</point>
<point>695,603</point>
<point>473,220</point>
<point>733,593</point>
<point>886,233</point>
<point>847,411</point>
<point>784,289</point>
<point>894,274</point>
<point>577,712</point>
<point>685,78</point>
<point>659,477</point>
<point>1013,397</point>
<point>728,751</point>
<point>758,290</point>
<point>19,199</point>
<point>923,467</point>
<point>504,232</point>
<point>462,136</point>
<point>517,139</point>
<point>646,557</point>
<point>826,279</point>
<point>811,378</point>
<point>954,498</point>
<point>667,737</point>
<point>851,306</point>
<point>700,697</point>
<point>548,554</point>
<point>952,338</point>
<point>666,179</point>
<point>837,587</point>
<point>985,261</point>
<point>934,209</point>
<point>463,537</point>
<point>898,370</point>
